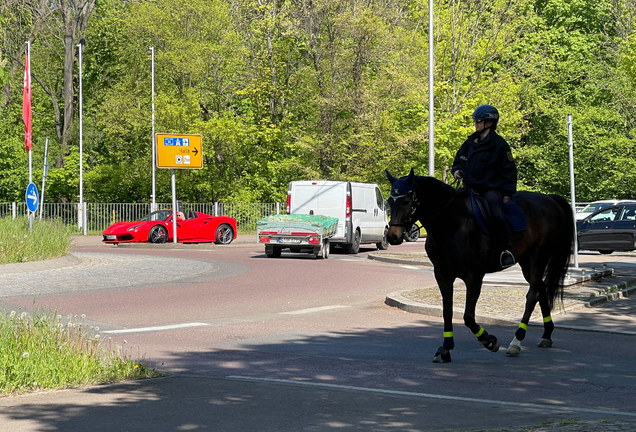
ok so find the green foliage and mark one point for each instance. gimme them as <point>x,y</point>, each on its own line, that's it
<point>332,90</point>
<point>19,244</point>
<point>45,351</point>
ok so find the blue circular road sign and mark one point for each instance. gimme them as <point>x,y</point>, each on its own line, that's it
<point>32,199</point>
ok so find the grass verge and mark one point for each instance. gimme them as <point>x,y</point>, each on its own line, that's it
<point>47,351</point>
<point>49,239</point>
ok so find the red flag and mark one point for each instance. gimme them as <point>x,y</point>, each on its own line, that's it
<point>26,104</point>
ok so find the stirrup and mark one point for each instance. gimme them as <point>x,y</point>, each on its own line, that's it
<point>506,259</point>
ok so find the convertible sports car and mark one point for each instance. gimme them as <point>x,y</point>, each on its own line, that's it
<point>195,227</point>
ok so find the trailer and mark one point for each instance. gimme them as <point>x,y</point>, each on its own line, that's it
<point>298,233</point>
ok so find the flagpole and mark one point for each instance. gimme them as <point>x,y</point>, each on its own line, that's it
<point>29,132</point>
<point>29,84</point>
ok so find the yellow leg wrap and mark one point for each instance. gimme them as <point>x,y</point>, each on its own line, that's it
<point>547,319</point>
<point>448,334</point>
<point>480,332</point>
<point>523,326</point>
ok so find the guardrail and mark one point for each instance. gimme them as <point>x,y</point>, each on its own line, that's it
<point>100,215</point>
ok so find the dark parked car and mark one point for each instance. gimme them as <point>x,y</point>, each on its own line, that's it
<point>608,230</point>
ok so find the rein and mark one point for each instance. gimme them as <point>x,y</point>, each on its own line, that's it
<point>416,203</point>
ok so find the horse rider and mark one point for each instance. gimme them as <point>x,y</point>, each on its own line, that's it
<point>485,163</point>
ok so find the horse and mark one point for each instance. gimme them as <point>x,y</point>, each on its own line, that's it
<point>458,248</point>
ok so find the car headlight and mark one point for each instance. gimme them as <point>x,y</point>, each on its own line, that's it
<point>134,227</point>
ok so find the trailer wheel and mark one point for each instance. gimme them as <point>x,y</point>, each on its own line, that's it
<point>273,252</point>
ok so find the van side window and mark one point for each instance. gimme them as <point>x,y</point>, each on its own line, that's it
<point>379,198</point>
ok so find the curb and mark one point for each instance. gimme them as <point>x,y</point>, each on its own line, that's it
<point>33,266</point>
<point>379,257</point>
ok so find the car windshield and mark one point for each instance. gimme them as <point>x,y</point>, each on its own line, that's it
<point>592,208</point>
<point>161,215</point>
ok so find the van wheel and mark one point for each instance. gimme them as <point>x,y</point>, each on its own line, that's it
<point>354,248</point>
<point>384,244</point>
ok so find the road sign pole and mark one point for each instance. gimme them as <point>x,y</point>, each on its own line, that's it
<point>174,207</point>
<point>45,172</point>
<point>572,192</point>
<point>153,207</point>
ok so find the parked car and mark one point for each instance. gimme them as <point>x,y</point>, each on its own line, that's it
<point>195,227</point>
<point>608,230</point>
<point>595,206</point>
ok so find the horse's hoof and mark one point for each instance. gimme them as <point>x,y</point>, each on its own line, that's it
<point>545,343</point>
<point>442,356</point>
<point>491,343</point>
<point>513,350</point>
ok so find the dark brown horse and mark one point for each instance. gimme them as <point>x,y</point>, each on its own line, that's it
<point>458,248</point>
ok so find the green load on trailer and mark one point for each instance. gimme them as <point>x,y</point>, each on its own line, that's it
<point>322,225</point>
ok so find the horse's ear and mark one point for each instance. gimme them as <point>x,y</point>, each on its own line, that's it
<point>389,176</point>
<point>411,176</point>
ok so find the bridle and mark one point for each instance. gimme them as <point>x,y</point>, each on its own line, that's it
<point>414,205</point>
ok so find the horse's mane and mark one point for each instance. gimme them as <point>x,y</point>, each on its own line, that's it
<point>433,189</point>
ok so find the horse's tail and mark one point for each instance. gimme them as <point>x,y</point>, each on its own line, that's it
<point>560,259</point>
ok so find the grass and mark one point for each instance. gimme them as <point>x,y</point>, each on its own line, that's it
<point>45,351</point>
<point>49,239</point>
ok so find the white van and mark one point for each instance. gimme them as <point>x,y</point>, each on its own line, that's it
<point>359,208</point>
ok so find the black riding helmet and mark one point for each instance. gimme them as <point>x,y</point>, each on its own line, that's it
<point>487,113</point>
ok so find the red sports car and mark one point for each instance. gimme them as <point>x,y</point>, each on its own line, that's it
<point>196,227</point>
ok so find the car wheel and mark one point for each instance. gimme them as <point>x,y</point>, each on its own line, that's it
<point>158,234</point>
<point>224,234</point>
<point>606,252</point>
<point>384,244</point>
<point>354,248</point>
<point>413,234</point>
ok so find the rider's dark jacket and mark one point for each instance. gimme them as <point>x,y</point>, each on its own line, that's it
<point>487,165</point>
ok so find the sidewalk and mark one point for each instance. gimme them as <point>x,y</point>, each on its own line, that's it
<point>598,280</point>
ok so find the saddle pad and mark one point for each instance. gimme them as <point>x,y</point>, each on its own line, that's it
<point>512,212</point>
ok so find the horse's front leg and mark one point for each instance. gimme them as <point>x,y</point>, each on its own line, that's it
<point>473,291</point>
<point>445,284</point>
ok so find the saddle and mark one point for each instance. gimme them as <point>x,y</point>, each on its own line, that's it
<point>515,219</point>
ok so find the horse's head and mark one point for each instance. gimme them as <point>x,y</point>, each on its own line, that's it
<point>403,203</point>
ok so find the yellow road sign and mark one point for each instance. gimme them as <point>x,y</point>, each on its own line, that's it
<point>178,151</point>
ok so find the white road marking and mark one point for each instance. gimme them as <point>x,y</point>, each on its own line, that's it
<point>430,396</point>
<point>409,267</point>
<point>153,329</point>
<point>312,310</point>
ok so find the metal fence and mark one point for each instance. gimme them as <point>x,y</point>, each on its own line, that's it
<point>100,215</point>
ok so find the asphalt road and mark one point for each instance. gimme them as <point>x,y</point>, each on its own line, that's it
<point>254,343</point>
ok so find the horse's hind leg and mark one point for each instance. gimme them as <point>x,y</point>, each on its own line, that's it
<point>548,325</point>
<point>473,290</point>
<point>533,273</point>
<point>445,284</point>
